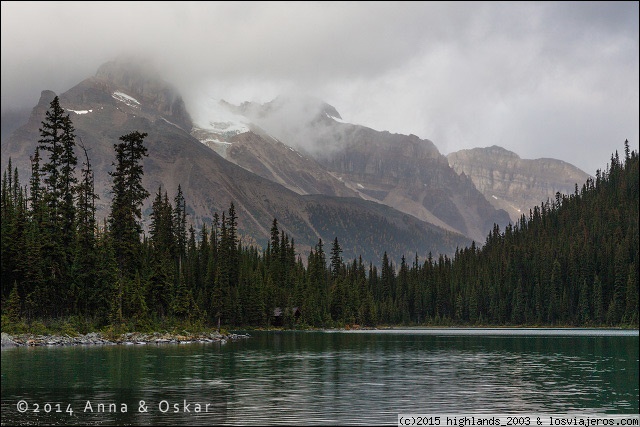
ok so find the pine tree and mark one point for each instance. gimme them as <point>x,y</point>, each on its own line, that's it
<point>57,141</point>
<point>180,224</point>
<point>36,192</point>
<point>10,233</point>
<point>232,245</point>
<point>336,259</point>
<point>617,304</point>
<point>128,196</point>
<point>52,141</point>
<point>68,184</point>
<point>631,311</point>
<point>14,304</point>
<point>273,253</point>
<point>584,311</point>
<point>85,260</point>
<point>163,270</point>
<point>598,303</point>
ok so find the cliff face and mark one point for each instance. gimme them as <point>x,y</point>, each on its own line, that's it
<point>404,172</point>
<point>409,174</point>
<point>514,184</point>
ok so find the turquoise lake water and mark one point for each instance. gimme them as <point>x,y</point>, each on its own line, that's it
<point>341,377</point>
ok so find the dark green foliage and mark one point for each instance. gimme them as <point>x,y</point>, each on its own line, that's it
<point>128,195</point>
<point>86,288</point>
<point>14,305</point>
<point>52,142</point>
<point>68,188</point>
<point>572,261</point>
<point>57,222</point>
<point>336,259</point>
<point>12,232</point>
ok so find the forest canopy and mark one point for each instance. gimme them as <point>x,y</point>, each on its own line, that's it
<point>570,261</point>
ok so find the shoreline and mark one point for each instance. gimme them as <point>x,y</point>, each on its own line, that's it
<point>141,338</point>
<point>130,338</point>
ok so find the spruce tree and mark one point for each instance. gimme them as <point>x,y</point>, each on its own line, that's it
<point>57,141</point>
<point>10,237</point>
<point>68,187</point>
<point>85,259</point>
<point>52,142</point>
<point>128,196</point>
<point>336,259</point>
<point>180,224</point>
<point>36,192</point>
<point>232,243</point>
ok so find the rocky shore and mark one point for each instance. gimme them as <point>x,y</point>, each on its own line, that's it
<point>131,338</point>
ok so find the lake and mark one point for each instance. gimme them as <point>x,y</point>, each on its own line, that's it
<point>339,377</point>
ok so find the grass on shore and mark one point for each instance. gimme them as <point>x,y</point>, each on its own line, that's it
<point>74,326</point>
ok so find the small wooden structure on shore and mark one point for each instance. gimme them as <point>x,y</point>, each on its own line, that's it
<point>279,315</point>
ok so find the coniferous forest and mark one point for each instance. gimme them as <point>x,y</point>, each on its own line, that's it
<point>572,261</point>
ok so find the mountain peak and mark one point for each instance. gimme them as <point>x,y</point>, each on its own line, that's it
<point>512,183</point>
<point>139,79</point>
<point>39,111</point>
<point>494,150</point>
<point>331,111</point>
<point>46,96</point>
<point>310,106</point>
<point>129,73</point>
<point>497,150</point>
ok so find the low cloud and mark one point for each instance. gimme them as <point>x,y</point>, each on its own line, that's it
<point>541,79</point>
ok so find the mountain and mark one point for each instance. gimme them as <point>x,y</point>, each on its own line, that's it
<point>123,97</point>
<point>514,184</point>
<point>233,136</point>
<point>400,171</point>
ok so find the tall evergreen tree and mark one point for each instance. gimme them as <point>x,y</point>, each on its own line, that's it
<point>180,223</point>
<point>57,141</point>
<point>336,258</point>
<point>85,259</point>
<point>68,187</point>
<point>36,192</point>
<point>10,235</point>
<point>232,246</point>
<point>52,142</point>
<point>128,196</point>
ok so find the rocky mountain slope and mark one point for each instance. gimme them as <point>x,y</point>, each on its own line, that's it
<point>238,140</point>
<point>123,97</point>
<point>514,184</point>
<point>400,171</point>
<point>296,159</point>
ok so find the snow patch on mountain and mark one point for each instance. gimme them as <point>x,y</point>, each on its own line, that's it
<point>214,117</point>
<point>80,111</point>
<point>215,141</point>
<point>171,123</point>
<point>123,97</point>
<point>216,145</point>
<point>337,119</point>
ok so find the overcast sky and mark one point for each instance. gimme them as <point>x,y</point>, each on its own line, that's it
<point>543,79</point>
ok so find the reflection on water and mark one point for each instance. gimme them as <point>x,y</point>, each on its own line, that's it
<point>365,377</point>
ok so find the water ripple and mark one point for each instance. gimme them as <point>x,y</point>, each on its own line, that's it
<point>347,378</point>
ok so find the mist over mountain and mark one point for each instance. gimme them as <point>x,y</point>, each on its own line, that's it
<point>123,97</point>
<point>295,159</point>
<point>241,140</point>
<point>400,171</point>
<point>13,119</point>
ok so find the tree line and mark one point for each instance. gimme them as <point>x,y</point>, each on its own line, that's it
<point>571,261</point>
